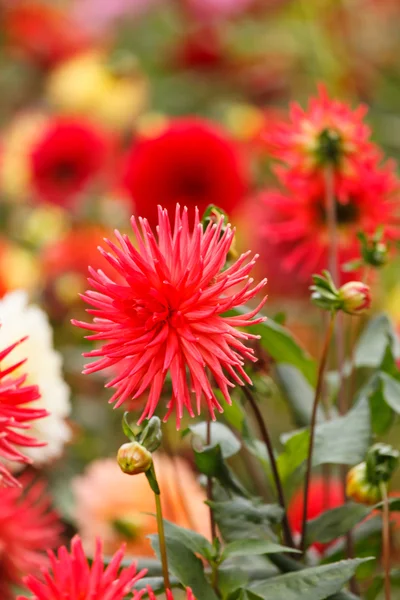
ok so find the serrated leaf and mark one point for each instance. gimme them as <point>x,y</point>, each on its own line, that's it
<point>194,541</point>
<point>186,567</point>
<point>220,434</point>
<point>253,547</point>
<point>336,522</point>
<point>316,583</point>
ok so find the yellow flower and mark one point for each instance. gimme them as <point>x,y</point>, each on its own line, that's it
<point>87,85</point>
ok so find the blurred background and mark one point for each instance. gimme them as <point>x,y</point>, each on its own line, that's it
<point>110,107</point>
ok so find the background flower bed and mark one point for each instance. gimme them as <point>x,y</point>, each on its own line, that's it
<point>107,112</point>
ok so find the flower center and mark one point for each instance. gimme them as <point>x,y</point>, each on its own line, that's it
<point>345,213</point>
<point>64,171</point>
<point>329,147</point>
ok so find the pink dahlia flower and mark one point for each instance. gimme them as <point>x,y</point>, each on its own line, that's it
<point>71,577</point>
<point>167,314</point>
<point>15,416</point>
<point>148,592</point>
<point>297,140</point>
<point>28,529</point>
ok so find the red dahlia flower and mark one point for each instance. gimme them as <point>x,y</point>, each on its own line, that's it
<point>71,577</point>
<point>167,316</point>
<point>68,156</point>
<point>28,528</point>
<point>322,497</point>
<point>301,142</point>
<point>192,162</point>
<point>296,222</point>
<point>15,416</point>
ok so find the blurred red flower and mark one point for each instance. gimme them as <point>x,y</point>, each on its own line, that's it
<point>15,416</point>
<point>68,156</point>
<point>167,316</point>
<point>327,131</point>
<point>169,595</point>
<point>41,32</point>
<point>295,232</point>
<point>193,162</point>
<point>28,529</point>
<point>71,576</point>
<point>322,497</point>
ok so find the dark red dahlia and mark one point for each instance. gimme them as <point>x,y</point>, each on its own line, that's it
<point>192,162</point>
<point>69,155</point>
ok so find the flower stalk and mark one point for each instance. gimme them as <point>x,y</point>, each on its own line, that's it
<point>209,490</point>
<point>160,529</point>
<point>386,538</point>
<point>318,389</point>
<point>274,467</point>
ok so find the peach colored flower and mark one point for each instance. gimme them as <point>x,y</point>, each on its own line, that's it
<point>112,505</point>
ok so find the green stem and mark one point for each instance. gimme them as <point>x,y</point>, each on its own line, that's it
<point>274,467</point>
<point>317,396</point>
<point>213,526</point>
<point>386,539</point>
<point>161,535</point>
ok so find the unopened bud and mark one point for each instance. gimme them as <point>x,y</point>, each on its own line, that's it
<point>359,488</point>
<point>382,460</point>
<point>133,458</point>
<point>355,297</point>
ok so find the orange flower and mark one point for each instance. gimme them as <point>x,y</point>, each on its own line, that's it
<point>116,507</point>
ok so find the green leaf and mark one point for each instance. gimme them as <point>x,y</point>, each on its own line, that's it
<point>191,539</point>
<point>381,413</point>
<point>241,518</point>
<point>220,434</point>
<point>126,428</point>
<point>391,391</point>
<point>282,346</point>
<point>299,393</point>
<point>316,583</point>
<point>210,462</point>
<point>186,567</point>
<point>253,547</point>
<point>336,522</point>
<point>353,430</point>
<point>344,440</point>
<point>230,579</point>
<point>371,347</point>
<point>252,511</point>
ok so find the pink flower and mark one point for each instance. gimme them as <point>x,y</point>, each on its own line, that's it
<point>301,142</point>
<point>169,596</point>
<point>167,316</point>
<point>71,577</point>
<point>15,416</point>
<point>28,528</point>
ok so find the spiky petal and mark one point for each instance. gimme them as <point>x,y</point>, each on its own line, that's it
<point>72,577</point>
<point>16,415</point>
<point>164,313</point>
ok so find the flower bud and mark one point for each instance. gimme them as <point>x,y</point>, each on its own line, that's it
<point>382,460</point>
<point>355,298</point>
<point>359,488</point>
<point>133,458</point>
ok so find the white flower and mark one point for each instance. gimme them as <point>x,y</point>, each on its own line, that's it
<point>44,368</point>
